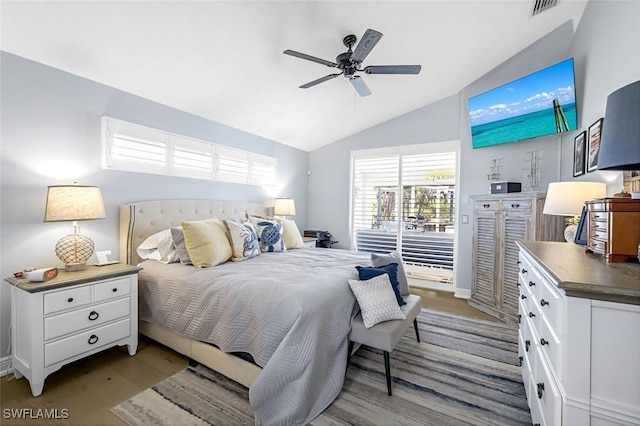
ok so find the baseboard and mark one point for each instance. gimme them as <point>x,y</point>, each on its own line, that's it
<point>5,366</point>
<point>463,293</point>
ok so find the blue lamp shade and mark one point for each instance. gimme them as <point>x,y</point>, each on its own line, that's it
<point>620,141</point>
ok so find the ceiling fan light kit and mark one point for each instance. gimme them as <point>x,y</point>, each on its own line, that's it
<point>350,62</point>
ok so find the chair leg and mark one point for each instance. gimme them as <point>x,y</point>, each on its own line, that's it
<point>387,369</point>
<point>415,326</point>
<point>351,344</point>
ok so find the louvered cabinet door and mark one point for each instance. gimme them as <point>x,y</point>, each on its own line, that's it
<point>515,227</point>
<point>483,292</point>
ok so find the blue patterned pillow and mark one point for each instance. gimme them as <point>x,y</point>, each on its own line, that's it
<point>244,240</point>
<point>269,234</point>
<point>368,272</point>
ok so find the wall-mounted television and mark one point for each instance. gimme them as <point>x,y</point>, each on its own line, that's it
<point>539,104</point>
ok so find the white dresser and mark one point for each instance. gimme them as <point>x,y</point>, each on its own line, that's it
<point>579,340</point>
<point>70,317</point>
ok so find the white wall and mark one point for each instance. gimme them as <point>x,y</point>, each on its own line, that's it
<point>606,50</point>
<point>51,135</point>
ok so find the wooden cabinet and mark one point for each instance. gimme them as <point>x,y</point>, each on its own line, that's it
<point>614,228</point>
<point>579,353</point>
<point>70,317</point>
<point>499,221</point>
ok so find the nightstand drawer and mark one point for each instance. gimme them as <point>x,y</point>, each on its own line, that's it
<point>66,299</point>
<point>85,342</point>
<point>80,319</point>
<point>112,289</point>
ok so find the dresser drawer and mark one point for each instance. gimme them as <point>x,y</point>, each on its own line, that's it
<point>551,306</point>
<point>112,289</point>
<point>91,316</point>
<point>86,341</point>
<point>551,345</point>
<point>516,205</point>
<point>66,299</point>
<point>547,393</point>
<point>597,246</point>
<point>487,205</point>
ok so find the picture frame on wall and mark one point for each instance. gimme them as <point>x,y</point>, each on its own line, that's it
<point>593,145</point>
<point>579,151</point>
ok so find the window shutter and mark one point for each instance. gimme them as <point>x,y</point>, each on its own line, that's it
<point>263,170</point>
<point>233,165</point>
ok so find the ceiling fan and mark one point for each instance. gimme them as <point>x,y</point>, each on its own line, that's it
<point>350,62</point>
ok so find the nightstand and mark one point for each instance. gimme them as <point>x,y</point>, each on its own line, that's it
<point>309,242</point>
<point>72,316</point>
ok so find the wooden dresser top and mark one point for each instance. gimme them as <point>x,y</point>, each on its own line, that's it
<point>586,275</point>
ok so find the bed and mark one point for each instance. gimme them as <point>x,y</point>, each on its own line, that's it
<point>291,311</point>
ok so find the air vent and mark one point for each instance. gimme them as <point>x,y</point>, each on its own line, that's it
<point>542,5</point>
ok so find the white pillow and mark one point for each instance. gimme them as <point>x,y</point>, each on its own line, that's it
<point>376,299</point>
<point>159,246</point>
<point>291,234</point>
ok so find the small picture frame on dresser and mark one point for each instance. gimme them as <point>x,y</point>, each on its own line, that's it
<point>581,232</point>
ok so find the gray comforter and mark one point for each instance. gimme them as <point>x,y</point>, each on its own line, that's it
<point>291,311</point>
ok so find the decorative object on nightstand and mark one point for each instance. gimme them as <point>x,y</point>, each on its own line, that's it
<point>568,198</point>
<point>284,207</point>
<point>71,316</point>
<point>620,143</point>
<point>74,203</point>
<point>310,242</point>
<point>614,228</point>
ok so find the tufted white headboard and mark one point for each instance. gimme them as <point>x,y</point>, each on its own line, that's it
<point>144,218</point>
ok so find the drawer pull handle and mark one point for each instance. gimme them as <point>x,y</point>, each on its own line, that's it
<point>114,290</point>
<point>70,299</point>
<point>93,339</point>
<point>515,206</point>
<point>531,283</point>
<point>527,343</point>
<point>540,387</point>
<point>531,315</point>
<point>544,342</point>
<point>486,206</point>
<point>523,297</point>
<point>518,284</point>
<point>543,302</point>
<point>93,316</point>
<point>520,359</point>
<point>518,262</point>
<point>519,318</point>
<point>524,271</point>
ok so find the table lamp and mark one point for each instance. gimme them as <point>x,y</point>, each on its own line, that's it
<point>620,141</point>
<point>74,203</point>
<point>284,207</point>
<point>568,198</point>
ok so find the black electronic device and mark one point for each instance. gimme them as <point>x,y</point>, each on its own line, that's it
<point>323,238</point>
<point>505,187</point>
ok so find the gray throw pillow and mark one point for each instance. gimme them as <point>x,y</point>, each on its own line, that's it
<point>393,257</point>
<point>178,241</point>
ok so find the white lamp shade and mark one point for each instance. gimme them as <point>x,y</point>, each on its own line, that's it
<point>284,207</point>
<point>568,198</point>
<point>74,202</point>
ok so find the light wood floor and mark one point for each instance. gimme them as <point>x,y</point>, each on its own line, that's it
<point>88,388</point>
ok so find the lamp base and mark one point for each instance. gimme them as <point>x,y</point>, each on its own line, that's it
<point>622,194</point>
<point>570,233</point>
<point>74,250</point>
<point>74,267</point>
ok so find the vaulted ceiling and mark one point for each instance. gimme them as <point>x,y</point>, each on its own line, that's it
<point>223,60</point>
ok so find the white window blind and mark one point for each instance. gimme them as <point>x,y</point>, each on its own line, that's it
<point>405,203</point>
<point>134,148</point>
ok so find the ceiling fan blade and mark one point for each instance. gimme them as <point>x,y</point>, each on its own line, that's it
<point>360,86</point>
<point>367,42</point>
<point>393,69</point>
<point>309,58</point>
<point>320,80</point>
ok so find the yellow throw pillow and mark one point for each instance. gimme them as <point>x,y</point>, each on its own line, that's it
<point>206,242</point>
<point>291,234</point>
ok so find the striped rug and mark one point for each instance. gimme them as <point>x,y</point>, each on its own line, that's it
<point>463,373</point>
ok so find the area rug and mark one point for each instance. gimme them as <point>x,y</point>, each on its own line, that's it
<point>464,372</point>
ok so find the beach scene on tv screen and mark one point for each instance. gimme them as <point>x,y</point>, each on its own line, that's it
<point>539,104</point>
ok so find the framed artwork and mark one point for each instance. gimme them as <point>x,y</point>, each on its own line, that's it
<point>593,148</point>
<point>579,150</point>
